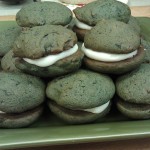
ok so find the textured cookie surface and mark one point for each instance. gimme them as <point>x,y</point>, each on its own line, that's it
<point>20,92</point>
<point>112,37</point>
<point>83,89</point>
<point>103,9</point>
<point>40,41</point>
<point>135,86</point>
<point>61,67</point>
<point>7,39</point>
<point>8,62</point>
<point>41,13</point>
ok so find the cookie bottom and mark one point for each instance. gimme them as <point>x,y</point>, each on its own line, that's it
<point>75,116</point>
<point>116,67</point>
<point>80,33</point>
<point>9,120</point>
<point>133,110</point>
<point>61,67</point>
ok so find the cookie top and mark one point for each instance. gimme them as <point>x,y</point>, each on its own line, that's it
<point>7,38</point>
<point>81,90</point>
<point>41,41</point>
<point>135,86</point>
<point>113,37</point>
<point>20,92</point>
<point>103,9</point>
<point>42,13</point>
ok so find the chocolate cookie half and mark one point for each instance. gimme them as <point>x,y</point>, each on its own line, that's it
<point>21,100</point>
<point>43,13</point>
<point>80,97</point>
<point>112,47</point>
<point>47,51</point>
<point>89,15</point>
<point>133,90</point>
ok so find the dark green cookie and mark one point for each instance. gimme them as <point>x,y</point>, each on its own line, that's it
<point>133,90</point>
<point>112,37</point>
<point>7,38</point>
<point>61,67</point>
<point>83,89</point>
<point>8,62</point>
<point>20,92</point>
<point>103,9</point>
<point>42,13</point>
<point>19,120</point>
<point>41,41</point>
<point>134,24</point>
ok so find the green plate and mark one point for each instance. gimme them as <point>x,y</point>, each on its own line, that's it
<point>49,130</point>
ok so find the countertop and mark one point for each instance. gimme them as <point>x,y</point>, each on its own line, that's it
<point>136,11</point>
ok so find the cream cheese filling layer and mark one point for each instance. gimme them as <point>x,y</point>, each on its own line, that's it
<point>99,109</point>
<point>123,1</point>
<point>82,25</point>
<point>1,112</point>
<point>51,59</point>
<point>106,57</point>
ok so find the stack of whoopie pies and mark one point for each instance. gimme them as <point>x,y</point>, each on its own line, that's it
<point>112,45</point>
<point>47,52</point>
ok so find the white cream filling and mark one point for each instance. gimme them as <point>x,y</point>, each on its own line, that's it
<point>1,112</point>
<point>82,25</point>
<point>98,109</point>
<point>123,1</point>
<point>51,59</point>
<point>106,57</point>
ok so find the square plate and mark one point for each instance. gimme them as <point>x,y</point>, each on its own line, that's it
<point>49,130</point>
